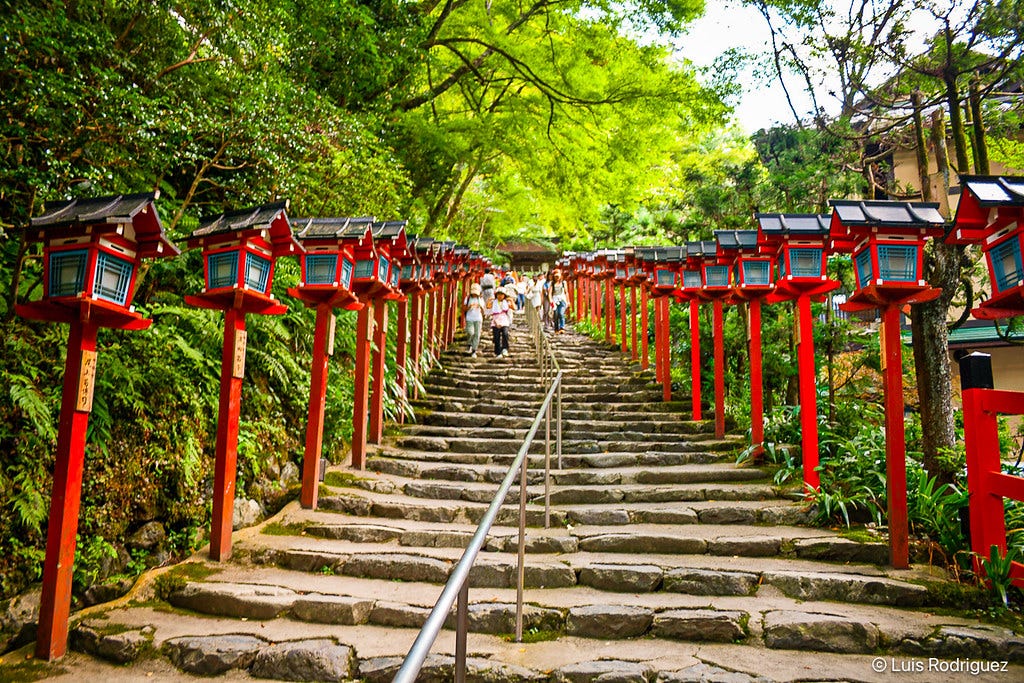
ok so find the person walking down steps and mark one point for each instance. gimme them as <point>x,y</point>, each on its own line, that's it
<point>559,301</point>
<point>473,307</point>
<point>499,312</point>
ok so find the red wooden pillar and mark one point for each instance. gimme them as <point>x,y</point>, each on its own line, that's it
<point>378,356</point>
<point>657,340</point>
<point>808,392</point>
<point>323,342</point>
<point>664,330</point>
<point>623,342</point>
<point>595,302</point>
<point>361,390</point>
<point>401,349</point>
<point>719,344</point>
<point>232,369</point>
<point>645,359</point>
<point>632,309</point>
<point>428,336</point>
<point>449,329</point>
<point>695,369</point>
<point>416,340</point>
<point>895,439</point>
<point>609,312</point>
<point>76,402</point>
<point>756,384</point>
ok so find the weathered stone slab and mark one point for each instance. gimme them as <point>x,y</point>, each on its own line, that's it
<point>120,648</point>
<point>548,576</point>
<point>727,515</point>
<point>700,625</point>
<point>982,641</point>
<point>420,512</point>
<point>308,560</point>
<point>745,546</point>
<point>436,539</point>
<point>598,517</point>
<point>788,630</point>
<point>603,671</point>
<point>430,489</point>
<point>250,601</point>
<point>622,578</point>
<point>590,496</point>
<point>347,503</point>
<point>436,669</point>
<point>587,478</point>
<point>643,543</point>
<point>872,590</point>
<point>332,609</point>
<point>705,673</point>
<point>212,655</point>
<point>710,582</point>
<point>497,617</point>
<point>490,574</point>
<point>667,516</point>
<point>608,622</point>
<point>398,614</point>
<point>390,566</point>
<point>304,660</point>
<point>356,533</point>
<point>842,550</point>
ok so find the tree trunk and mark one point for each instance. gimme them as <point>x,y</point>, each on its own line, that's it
<point>981,166</point>
<point>922,150</point>
<point>956,124</point>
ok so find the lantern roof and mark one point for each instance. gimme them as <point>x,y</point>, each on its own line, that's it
<point>702,249</point>
<point>136,210</point>
<point>886,214</point>
<point>988,204</point>
<point>792,225</point>
<point>423,244</point>
<point>737,240</point>
<point>270,217</point>
<point>393,231</point>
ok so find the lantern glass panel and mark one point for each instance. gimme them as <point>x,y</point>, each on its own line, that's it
<point>691,279</point>
<point>805,261</point>
<point>222,269</point>
<point>382,269</point>
<point>666,278</point>
<point>67,272</point>
<point>620,272</point>
<point>321,269</point>
<point>1006,264</point>
<point>716,276</point>
<point>756,272</point>
<point>364,269</point>
<point>113,276</point>
<point>407,272</point>
<point>863,261</point>
<point>897,262</point>
<point>346,273</point>
<point>632,271</point>
<point>396,274</point>
<point>257,272</point>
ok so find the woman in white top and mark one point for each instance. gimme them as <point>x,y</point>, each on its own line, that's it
<point>473,307</point>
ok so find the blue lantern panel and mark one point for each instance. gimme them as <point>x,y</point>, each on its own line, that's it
<point>756,272</point>
<point>632,271</point>
<point>257,272</point>
<point>897,263</point>
<point>67,272</point>
<point>364,269</point>
<point>395,275</point>
<point>222,269</point>
<point>691,279</point>
<point>113,276</point>
<point>1006,264</point>
<point>321,269</point>
<point>382,269</point>
<point>407,272</point>
<point>620,273</point>
<point>805,261</point>
<point>346,273</point>
<point>863,262</point>
<point>666,278</point>
<point>716,276</point>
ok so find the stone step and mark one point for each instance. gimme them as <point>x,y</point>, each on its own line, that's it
<point>506,445</point>
<point>609,410</point>
<point>648,425</point>
<point>536,394</point>
<point>652,459</point>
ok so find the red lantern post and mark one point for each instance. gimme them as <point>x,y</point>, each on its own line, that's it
<point>239,251</point>
<point>326,277</point>
<point>887,240</point>
<point>797,243</point>
<point>752,282</point>
<point>391,244</point>
<point>92,250</point>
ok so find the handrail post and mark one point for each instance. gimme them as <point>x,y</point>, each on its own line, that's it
<point>547,467</point>
<point>461,629</point>
<point>521,566</point>
<point>558,425</point>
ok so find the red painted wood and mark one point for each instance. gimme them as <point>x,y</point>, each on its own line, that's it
<point>416,340</point>
<point>645,353</point>
<point>632,308</point>
<point>226,451</point>
<point>361,390</point>
<point>719,345</point>
<point>666,354</point>
<point>756,382</point>
<point>609,312</point>
<point>65,500</point>
<point>428,337</point>
<point>378,354</point>
<point>595,302</point>
<point>695,370</point>
<point>623,343</point>
<point>658,342</point>
<point>317,401</point>
<point>895,440</point>
<point>401,349</point>
<point>808,392</point>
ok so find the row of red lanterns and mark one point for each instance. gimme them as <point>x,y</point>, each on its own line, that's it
<point>92,250</point>
<point>785,260</point>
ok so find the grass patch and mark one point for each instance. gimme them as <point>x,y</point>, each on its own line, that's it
<point>15,669</point>
<point>278,529</point>
<point>533,635</point>
<point>859,535</point>
<point>177,578</point>
<point>342,480</point>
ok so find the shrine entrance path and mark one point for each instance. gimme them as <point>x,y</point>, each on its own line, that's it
<point>665,561</point>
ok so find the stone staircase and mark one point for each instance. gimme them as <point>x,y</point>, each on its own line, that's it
<point>664,560</point>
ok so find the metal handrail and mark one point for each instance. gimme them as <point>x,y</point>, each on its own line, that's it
<point>457,587</point>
